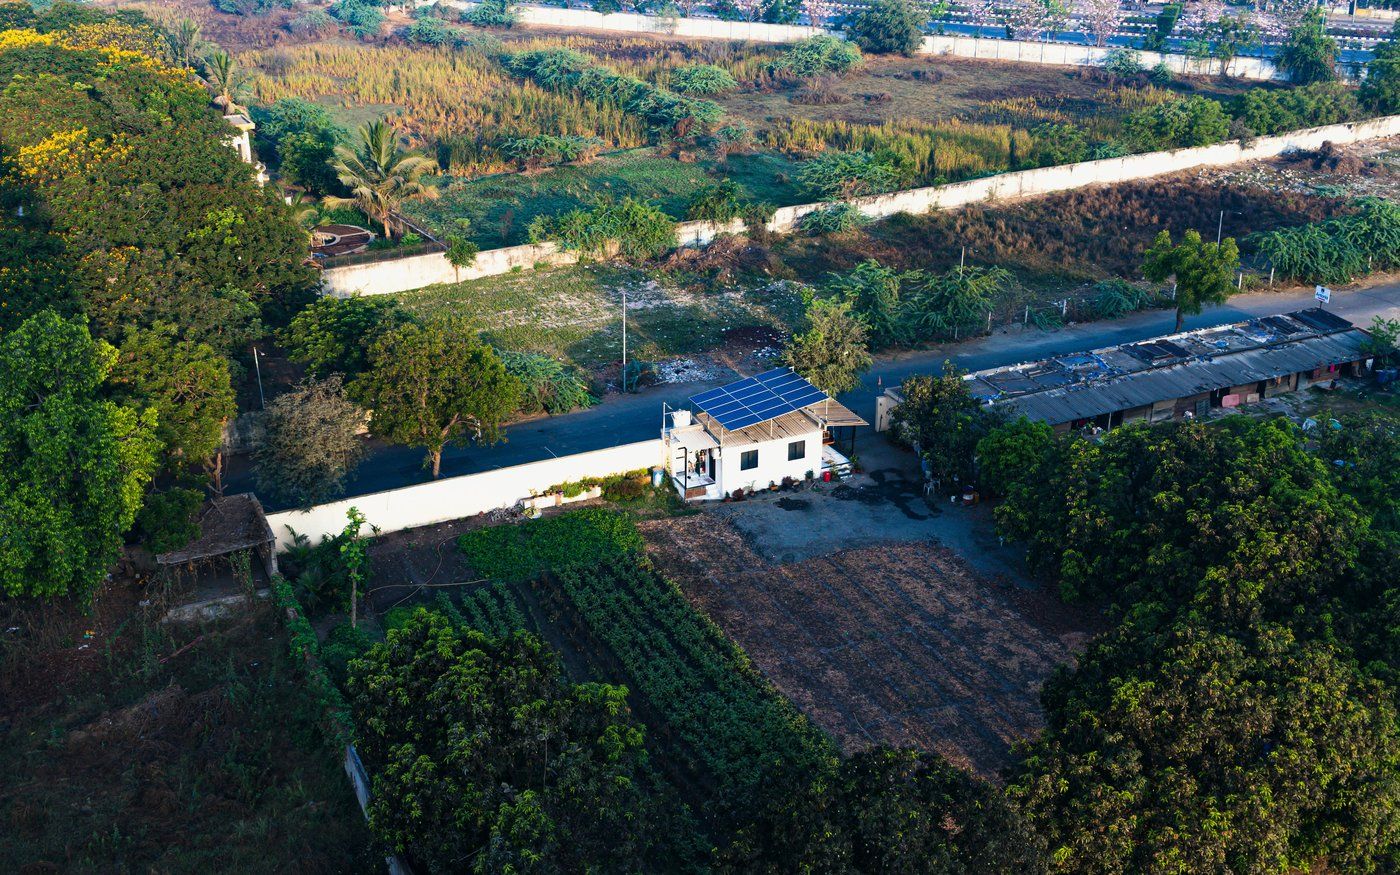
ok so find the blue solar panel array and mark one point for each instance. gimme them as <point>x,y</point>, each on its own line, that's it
<point>758,399</point>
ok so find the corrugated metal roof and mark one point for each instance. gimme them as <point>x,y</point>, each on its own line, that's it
<point>1092,384</point>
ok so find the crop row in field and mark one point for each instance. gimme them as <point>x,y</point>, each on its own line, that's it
<point>742,731</point>
<point>493,609</point>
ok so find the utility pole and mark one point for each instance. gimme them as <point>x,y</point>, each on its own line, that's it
<point>624,340</point>
<point>1219,228</point>
<point>257,368</point>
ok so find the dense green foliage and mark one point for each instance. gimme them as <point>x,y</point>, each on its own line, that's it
<point>719,203</point>
<point>842,175</point>
<point>888,811</point>
<point>1227,721</point>
<point>124,204</point>
<point>547,385</point>
<point>73,466</point>
<point>1310,54</point>
<point>435,383</point>
<point>1289,109</point>
<point>941,418</point>
<point>628,229</point>
<point>902,307</point>
<point>334,335</point>
<point>299,137</point>
<point>837,218</point>
<point>818,56</point>
<point>546,150</point>
<point>888,27</point>
<point>1380,91</point>
<point>1176,124</point>
<point>564,70</point>
<point>702,79</point>
<point>502,761</point>
<point>1337,250</point>
<point>1203,273</point>
<point>833,350</point>
<point>743,733</point>
<point>146,209</point>
<point>518,553</point>
<point>185,381</point>
<point>169,520</point>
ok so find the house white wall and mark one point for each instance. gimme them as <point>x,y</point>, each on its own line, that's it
<point>773,464</point>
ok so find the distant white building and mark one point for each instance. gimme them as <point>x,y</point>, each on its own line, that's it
<point>242,143</point>
<point>754,434</point>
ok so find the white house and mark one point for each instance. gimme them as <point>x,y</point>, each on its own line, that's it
<point>754,434</point>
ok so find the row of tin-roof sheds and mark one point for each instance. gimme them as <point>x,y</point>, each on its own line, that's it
<point>1181,374</point>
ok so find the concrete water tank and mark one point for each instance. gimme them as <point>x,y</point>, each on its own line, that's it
<point>680,418</point>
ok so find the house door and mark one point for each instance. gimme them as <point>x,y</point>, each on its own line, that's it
<point>710,463</point>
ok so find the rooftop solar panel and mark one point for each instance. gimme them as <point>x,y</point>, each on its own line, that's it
<point>1322,320</point>
<point>758,398</point>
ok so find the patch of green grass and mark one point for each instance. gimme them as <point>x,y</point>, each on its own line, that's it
<point>501,207</point>
<point>575,313</point>
<point>516,553</point>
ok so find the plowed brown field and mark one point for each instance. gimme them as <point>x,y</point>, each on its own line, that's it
<point>901,644</point>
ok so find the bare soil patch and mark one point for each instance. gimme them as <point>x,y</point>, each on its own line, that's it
<point>901,644</point>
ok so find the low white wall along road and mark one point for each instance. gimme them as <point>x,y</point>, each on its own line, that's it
<point>453,498</point>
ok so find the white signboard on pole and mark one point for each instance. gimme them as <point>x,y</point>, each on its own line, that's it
<point>1323,295</point>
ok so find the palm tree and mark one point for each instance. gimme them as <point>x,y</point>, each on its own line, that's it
<point>304,211</point>
<point>184,42</point>
<point>380,175</point>
<point>224,77</point>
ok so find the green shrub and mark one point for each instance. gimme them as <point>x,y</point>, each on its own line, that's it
<point>819,56</point>
<point>565,70</point>
<point>547,150</point>
<point>344,643</point>
<point>429,32</point>
<point>851,174</point>
<point>1057,144</point>
<point>702,79</point>
<point>1175,124</point>
<point>312,22</point>
<point>1290,109</point>
<point>550,386</point>
<point>170,520</point>
<point>514,553</point>
<point>630,229</point>
<point>1338,250</point>
<point>1161,75</point>
<point>1118,297</point>
<point>491,13</point>
<point>1126,63</point>
<point>720,203</point>
<point>838,218</point>
<point>362,17</point>
<point>889,27</point>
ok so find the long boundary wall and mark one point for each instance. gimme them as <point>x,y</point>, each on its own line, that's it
<point>988,48</point>
<point>455,497</point>
<point>385,277</point>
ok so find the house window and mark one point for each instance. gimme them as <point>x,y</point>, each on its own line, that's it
<point>797,450</point>
<point>748,460</point>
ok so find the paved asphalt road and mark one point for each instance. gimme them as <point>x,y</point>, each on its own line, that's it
<point>624,419</point>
